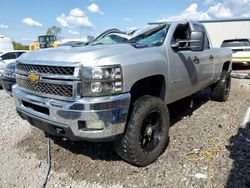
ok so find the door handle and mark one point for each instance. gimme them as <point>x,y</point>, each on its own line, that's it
<point>196,60</point>
<point>211,57</point>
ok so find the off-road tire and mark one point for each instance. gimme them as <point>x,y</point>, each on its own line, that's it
<point>128,145</point>
<point>221,90</point>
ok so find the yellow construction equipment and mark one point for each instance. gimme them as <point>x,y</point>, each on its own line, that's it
<point>44,41</point>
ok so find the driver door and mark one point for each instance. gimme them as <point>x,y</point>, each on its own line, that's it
<point>187,67</point>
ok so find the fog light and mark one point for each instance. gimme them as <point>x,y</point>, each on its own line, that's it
<point>95,125</point>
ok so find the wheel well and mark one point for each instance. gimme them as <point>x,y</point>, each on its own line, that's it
<point>226,66</point>
<point>153,85</point>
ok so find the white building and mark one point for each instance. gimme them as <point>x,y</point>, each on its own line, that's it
<point>5,44</point>
<point>220,30</point>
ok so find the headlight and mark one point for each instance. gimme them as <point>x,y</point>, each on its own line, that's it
<point>9,70</point>
<point>100,81</point>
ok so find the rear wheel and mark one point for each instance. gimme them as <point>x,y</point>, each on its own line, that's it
<point>146,135</point>
<point>222,88</point>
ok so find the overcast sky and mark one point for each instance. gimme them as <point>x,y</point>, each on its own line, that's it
<point>24,20</point>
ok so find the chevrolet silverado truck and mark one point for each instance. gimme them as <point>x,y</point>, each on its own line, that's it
<point>118,90</point>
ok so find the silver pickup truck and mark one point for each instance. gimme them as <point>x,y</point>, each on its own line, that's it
<point>118,89</point>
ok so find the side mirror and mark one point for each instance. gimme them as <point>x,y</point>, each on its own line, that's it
<point>197,41</point>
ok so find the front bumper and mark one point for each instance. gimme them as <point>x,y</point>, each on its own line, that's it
<point>7,83</point>
<point>68,119</point>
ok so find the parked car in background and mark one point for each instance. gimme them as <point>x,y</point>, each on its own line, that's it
<point>9,77</point>
<point>241,50</point>
<point>6,58</point>
<point>10,56</point>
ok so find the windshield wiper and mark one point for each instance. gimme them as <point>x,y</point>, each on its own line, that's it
<point>99,43</point>
<point>138,45</point>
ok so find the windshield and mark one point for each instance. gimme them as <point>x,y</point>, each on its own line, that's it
<point>153,35</point>
<point>45,39</point>
<point>235,43</point>
<point>111,38</point>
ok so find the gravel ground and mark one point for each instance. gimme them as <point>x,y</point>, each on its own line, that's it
<point>208,148</point>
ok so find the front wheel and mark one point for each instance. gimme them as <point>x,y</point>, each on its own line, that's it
<point>146,135</point>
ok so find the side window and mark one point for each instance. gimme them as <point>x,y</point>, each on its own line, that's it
<point>19,54</point>
<point>182,33</point>
<point>10,55</point>
<point>5,56</point>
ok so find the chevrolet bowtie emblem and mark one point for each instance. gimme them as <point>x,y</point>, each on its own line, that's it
<point>33,76</point>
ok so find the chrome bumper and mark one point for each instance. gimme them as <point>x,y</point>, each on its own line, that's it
<point>112,111</point>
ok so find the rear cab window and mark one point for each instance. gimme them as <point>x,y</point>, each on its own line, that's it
<point>235,43</point>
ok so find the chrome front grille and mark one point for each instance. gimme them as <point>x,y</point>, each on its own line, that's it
<point>42,69</point>
<point>62,83</point>
<point>47,88</point>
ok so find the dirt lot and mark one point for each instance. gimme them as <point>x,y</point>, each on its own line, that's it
<point>187,162</point>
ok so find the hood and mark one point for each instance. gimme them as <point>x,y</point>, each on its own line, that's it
<point>69,55</point>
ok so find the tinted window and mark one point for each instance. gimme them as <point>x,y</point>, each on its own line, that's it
<point>19,54</point>
<point>10,55</point>
<point>235,43</point>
